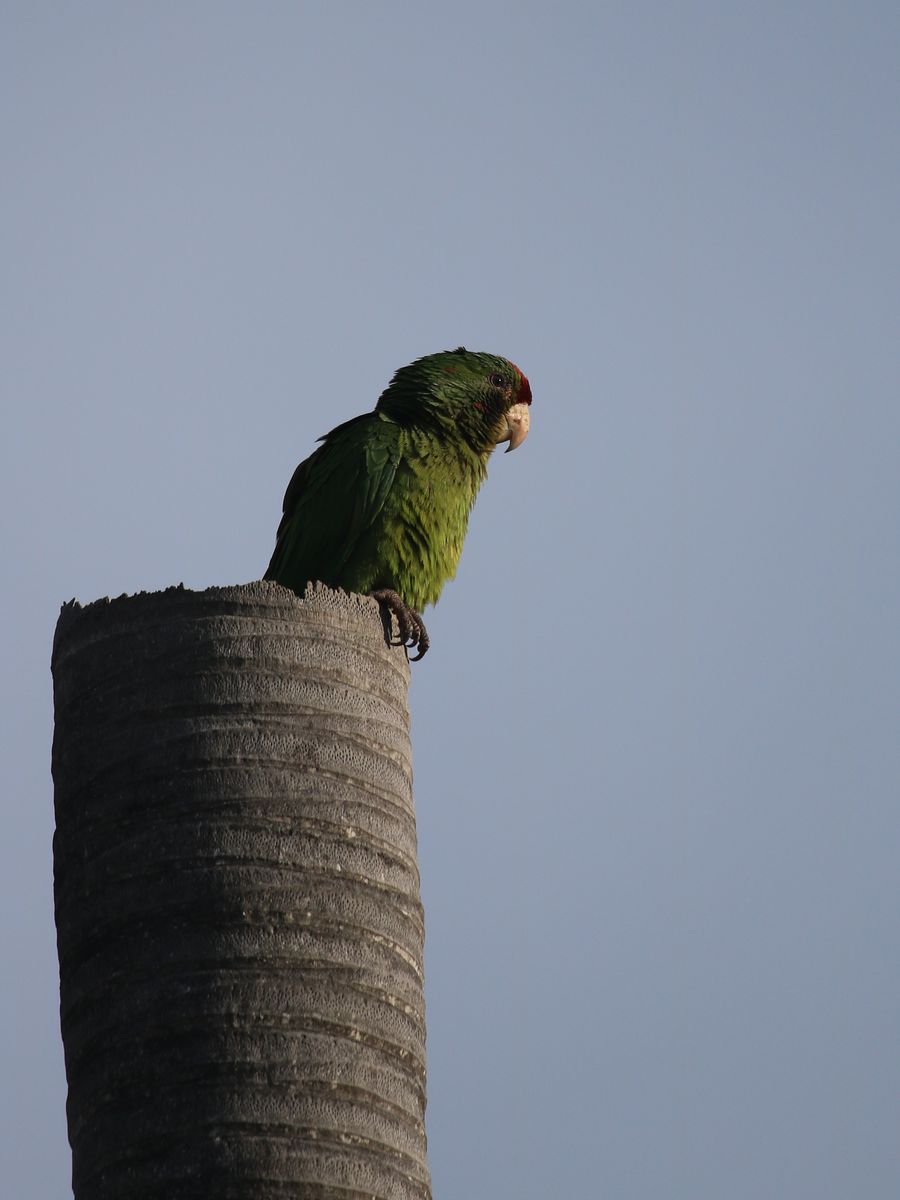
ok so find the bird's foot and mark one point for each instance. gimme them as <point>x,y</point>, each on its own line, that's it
<point>413,634</point>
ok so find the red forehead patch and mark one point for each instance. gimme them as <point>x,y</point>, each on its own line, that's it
<point>524,386</point>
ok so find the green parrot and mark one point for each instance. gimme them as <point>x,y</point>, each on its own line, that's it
<point>382,506</point>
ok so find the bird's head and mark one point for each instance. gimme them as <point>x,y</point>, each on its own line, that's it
<point>481,398</point>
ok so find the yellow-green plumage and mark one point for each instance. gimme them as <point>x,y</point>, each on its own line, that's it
<point>384,502</point>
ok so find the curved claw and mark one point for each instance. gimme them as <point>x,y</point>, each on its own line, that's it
<point>422,640</point>
<point>410,626</point>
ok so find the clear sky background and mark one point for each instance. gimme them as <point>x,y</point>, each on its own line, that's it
<point>656,738</point>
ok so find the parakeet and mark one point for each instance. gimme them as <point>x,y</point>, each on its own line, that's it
<point>382,506</point>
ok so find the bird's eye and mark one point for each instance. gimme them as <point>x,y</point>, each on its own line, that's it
<point>497,380</point>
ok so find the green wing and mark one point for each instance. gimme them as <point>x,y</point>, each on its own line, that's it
<point>332,502</point>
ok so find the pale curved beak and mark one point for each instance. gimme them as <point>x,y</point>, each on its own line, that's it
<point>518,422</point>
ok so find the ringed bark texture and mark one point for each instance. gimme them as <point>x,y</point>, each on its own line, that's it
<point>237,899</point>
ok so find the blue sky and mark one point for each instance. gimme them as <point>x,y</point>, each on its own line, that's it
<point>655,739</point>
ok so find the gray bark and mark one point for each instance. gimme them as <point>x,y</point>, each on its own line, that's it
<point>237,899</point>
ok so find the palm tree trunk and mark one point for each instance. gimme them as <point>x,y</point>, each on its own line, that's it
<point>237,899</point>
